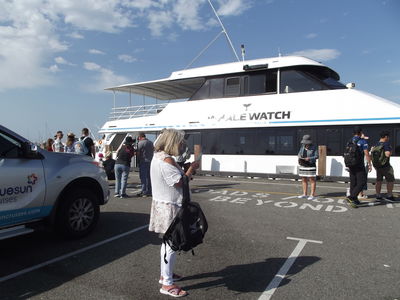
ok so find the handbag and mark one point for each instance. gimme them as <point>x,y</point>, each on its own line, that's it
<point>305,163</point>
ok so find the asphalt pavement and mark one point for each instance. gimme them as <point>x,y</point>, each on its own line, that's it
<point>262,243</point>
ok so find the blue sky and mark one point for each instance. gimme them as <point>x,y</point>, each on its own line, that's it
<point>56,57</point>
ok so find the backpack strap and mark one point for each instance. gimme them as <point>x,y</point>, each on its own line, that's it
<point>165,251</point>
<point>185,190</point>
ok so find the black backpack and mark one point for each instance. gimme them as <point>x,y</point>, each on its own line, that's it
<point>352,155</point>
<point>189,226</point>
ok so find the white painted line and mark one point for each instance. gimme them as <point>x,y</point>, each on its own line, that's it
<point>57,259</point>
<point>291,197</point>
<point>269,183</point>
<point>274,284</point>
<point>284,184</point>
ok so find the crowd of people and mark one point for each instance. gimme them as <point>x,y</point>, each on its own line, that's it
<point>81,145</point>
<point>359,164</point>
<point>161,174</point>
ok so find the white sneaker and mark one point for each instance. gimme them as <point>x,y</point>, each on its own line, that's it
<point>363,197</point>
<point>311,198</point>
<point>302,196</point>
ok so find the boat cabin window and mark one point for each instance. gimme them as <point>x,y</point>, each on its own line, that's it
<point>286,141</point>
<point>216,88</point>
<point>203,92</point>
<point>253,83</point>
<point>293,81</point>
<point>117,141</point>
<point>232,87</point>
<point>309,78</point>
<point>397,143</point>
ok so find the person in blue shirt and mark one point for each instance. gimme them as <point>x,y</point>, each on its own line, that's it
<point>358,174</point>
<point>386,170</point>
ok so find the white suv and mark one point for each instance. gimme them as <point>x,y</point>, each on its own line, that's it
<point>63,189</point>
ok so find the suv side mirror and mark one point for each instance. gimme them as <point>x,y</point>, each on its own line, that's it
<point>30,150</point>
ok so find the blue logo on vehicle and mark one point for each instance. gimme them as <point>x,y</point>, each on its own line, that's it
<point>15,190</point>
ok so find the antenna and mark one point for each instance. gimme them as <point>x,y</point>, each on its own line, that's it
<point>218,35</point>
<point>243,51</point>
<point>224,30</point>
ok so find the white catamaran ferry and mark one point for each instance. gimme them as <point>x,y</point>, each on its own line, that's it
<point>249,117</point>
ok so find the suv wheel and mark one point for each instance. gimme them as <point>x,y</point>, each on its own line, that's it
<point>78,213</point>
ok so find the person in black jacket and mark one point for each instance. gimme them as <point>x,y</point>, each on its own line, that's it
<point>123,166</point>
<point>108,165</point>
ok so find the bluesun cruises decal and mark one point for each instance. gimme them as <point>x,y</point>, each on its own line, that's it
<point>9,194</point>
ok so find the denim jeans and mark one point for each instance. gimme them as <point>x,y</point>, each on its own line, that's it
<point>144,172</point>
<point>121,178</point>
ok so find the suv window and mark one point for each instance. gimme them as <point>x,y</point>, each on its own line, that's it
<point>9,147</point>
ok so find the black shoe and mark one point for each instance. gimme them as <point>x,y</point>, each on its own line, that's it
<point>124,196</point>
<point>147,195</point>
<point>139,194</point>
<point>351,202</point>
<point>117,195</point>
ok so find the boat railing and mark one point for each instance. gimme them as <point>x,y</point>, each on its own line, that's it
<point>129,112</point>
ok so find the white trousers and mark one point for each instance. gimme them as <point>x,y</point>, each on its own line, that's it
<point>167,269</point>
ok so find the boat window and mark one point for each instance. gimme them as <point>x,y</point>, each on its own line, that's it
<point>323,74</point>
<point>117,141</point>
<point>232,87</point>
<point>286,141</point>
<point>284,144</point>
<point>293,81</point>
<point>203,92</point>
<point>332,139</point>
<point>334,84</point>
<point>397,143</point>
<point>216,88</point>
<point>256,85</point>
<point>271,81</point>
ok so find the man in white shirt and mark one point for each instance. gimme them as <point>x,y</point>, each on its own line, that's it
<point>58,146</point>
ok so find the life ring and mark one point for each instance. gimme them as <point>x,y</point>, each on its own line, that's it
<point>100,142</point>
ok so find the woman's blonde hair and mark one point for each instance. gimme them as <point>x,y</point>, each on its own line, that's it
<point>169,141</point>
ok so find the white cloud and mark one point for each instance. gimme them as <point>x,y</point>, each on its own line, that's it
<point>126,58</point>
<point>91,66</point>
<point>232,7</point>
<point>62,61</point>
<point>140,4</point>
<point>318,54</point>
<point>32,31</point>
<point>163,14</point>
<point>396,81</point>
<point>76,35</point>
<point>311,36</point>
<point>103,78</point>
<point>54,69</point>
<point>27,42</point>
<point>187,14</point>
<point>95,51</point>
<point>159,20</point>
<point>98,15</point>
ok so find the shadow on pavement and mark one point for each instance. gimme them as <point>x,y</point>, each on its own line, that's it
<point>24,252</point>
<point>334,194</point>
<point>247,278</point>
